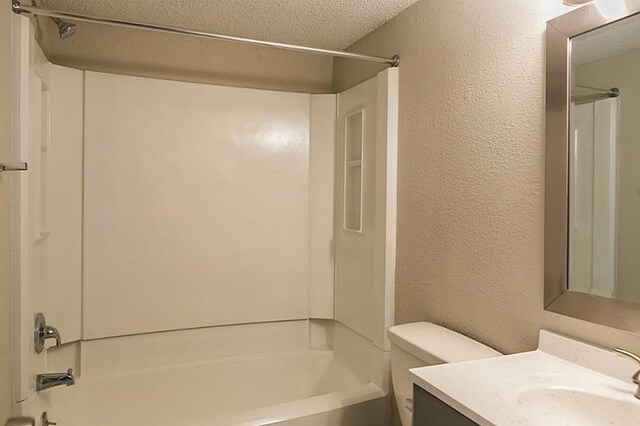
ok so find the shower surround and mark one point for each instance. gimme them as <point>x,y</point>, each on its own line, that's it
<point>230,252</point>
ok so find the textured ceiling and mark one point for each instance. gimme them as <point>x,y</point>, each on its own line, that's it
<point>611,40</point>
<point>329,24</point>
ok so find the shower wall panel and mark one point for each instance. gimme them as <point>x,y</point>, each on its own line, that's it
<point>365,203</point>
<point>321,205</point>
<point>63,197</point>
<point>196,205</point>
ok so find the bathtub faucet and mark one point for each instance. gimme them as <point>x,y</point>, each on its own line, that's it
<point>51,380</point>
<point>44,332</point>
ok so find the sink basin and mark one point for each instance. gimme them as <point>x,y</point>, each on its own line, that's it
<point>575,406</point>
<point>564,383</point>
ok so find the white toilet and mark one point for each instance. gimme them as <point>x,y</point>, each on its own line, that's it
<point>420,344</point>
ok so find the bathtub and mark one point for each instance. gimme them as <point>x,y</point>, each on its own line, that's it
<point>346,385</point>
<point>285,388</point>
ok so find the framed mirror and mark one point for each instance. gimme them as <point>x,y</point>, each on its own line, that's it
<point>592,165</point>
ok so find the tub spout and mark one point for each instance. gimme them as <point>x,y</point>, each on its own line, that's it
<point>51,380</point>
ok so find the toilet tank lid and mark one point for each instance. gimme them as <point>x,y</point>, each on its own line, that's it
<point>434,344</point>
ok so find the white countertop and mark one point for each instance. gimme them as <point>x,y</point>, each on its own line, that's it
<point>564,382</point>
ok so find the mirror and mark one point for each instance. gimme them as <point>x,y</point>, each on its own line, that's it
<point>592,187</point>
<point>604,162</point>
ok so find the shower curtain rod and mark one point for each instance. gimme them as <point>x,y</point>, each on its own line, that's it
<point>40,11</point>
<point>596,94</point>
<point>614,92</point>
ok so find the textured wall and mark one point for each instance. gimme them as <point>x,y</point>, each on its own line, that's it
<point>622,71</point>
<point>471,166</point>
<point>5,149</point>
<point>151,54</point>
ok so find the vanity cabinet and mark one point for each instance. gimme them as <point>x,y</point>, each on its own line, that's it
<point>430,411</point>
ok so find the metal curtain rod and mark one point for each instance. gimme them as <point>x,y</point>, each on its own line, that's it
<point>614,92</point>
<point>34,10</point>
<point>596,94</point>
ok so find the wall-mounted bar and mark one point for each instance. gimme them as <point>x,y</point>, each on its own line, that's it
<point>7,165</point>
<point>40,11</point>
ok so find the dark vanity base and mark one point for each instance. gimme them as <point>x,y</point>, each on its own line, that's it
<point>430,411</point>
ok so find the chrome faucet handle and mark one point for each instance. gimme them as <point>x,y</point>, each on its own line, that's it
<point>44,332</point>
<point>636,377</point>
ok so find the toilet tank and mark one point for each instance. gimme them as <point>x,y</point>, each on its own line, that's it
<point>420,344</point>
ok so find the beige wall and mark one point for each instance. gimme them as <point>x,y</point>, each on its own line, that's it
<point>174,57</point>
<point>5,149</point>
<point>622,71</point>
<point>471,144</point>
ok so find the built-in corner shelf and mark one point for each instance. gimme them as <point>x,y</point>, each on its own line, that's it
<point>10,165</point>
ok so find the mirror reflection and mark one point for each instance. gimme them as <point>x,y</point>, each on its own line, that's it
<point>604,162</point>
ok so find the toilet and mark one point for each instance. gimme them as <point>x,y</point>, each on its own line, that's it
<point>420,344</point>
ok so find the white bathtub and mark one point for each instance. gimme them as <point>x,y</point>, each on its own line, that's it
<point>254,390</point>
<point>342,387</point>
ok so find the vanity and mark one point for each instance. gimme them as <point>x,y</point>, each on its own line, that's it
<point>592,244</point>
<point>563,382</point>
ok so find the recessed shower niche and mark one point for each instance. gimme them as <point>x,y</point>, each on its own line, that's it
<point>354,124</point>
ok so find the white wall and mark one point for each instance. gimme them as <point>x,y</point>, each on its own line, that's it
<point>365,199</point>
<point>46,207</point>
<point>321,203</point>
<point>64,202</point>
<point>355,250</point>
<point>128,354</point>
<point>196,205</point>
